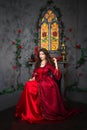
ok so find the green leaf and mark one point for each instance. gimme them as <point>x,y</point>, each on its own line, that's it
<point>17,40</point>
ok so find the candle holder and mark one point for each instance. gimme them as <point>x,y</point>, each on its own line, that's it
<point>63,51</point>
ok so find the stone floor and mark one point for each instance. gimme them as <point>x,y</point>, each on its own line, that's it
<point>77,122</point>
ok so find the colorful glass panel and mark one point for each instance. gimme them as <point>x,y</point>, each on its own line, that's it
<point>44,35</point>
<point>54,36</point>
<point>49,16</point>
<point>49,31</point>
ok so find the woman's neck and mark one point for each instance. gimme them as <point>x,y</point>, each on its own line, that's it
<point>43,63</point>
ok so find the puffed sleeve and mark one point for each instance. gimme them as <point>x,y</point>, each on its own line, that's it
<point>34,74</point>
<point>55,72</point>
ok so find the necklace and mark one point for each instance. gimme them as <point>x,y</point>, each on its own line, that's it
<point>43,64</point>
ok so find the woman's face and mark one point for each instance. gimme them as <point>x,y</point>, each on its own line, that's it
<point>42,55</point>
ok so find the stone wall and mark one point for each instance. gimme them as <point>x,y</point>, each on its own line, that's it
<point>23,14</point>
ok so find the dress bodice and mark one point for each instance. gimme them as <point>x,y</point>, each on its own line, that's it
<point>46,72</point>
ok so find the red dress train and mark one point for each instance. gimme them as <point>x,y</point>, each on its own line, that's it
<point>41,99</point>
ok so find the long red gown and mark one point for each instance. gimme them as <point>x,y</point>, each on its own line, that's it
<point>41,98</point>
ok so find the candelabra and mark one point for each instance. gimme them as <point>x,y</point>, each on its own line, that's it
<point>63,51</point>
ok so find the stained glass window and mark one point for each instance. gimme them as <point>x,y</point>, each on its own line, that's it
<point>44,35</point>
<point>49,31</point>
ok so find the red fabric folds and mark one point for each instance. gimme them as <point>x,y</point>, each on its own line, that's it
<point>41,99</point>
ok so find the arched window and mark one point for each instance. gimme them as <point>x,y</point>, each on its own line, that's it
<point>49,31</point>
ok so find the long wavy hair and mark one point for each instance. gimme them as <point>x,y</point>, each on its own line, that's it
<point>48,58</point>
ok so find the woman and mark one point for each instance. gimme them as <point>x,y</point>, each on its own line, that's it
<point>41,98</point>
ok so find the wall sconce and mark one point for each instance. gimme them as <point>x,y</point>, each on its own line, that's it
<point>63,51</point>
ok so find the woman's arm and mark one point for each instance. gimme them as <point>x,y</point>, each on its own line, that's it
<point>55,62</point>
<point>55,70</point>
<point>34,74</point>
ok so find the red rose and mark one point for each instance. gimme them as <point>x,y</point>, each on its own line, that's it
<point>30,60</point>
<point>36,49</point>
<point>19,30</point>
<point>44,34</point>
<point>59,58</point>
<point>67,38</point>
<point>20,46</point>
<point>13,42</point>
<point>55,33</point>
<point>70,29</point>
<point>77,46</point>
<point>14,67</point>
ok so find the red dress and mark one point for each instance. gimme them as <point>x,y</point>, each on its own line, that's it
<point>41,99</point>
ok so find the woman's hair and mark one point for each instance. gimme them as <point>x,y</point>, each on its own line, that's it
<point>48,58</point>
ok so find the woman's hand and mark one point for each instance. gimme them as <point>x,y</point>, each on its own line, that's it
<point>55,62</point>
<point>32,79</point>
